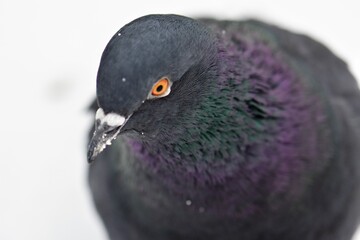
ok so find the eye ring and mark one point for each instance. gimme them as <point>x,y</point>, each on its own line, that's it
<point>161,88</point>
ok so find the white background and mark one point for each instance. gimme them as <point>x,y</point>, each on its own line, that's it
<point>49,54</point>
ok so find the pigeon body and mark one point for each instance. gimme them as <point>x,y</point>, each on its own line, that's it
<point>256,138</point>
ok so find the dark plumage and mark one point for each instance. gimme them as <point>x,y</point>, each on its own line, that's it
<point>258,138</point>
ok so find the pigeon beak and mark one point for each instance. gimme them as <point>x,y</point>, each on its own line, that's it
<point>107,127</point>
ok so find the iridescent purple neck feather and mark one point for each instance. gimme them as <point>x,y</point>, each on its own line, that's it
<point>256,131</point>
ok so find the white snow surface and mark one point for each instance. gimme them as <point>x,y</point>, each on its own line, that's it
<point>49,56</point>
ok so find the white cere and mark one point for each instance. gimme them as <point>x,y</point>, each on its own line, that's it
<point>123,79</point>
<point>99,114</point>
<point>113,119</point>
<point>188,202</point>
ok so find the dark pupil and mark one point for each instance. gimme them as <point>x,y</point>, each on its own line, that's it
<point>159,88</point>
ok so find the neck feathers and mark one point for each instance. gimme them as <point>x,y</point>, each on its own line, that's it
<point>255,129</point>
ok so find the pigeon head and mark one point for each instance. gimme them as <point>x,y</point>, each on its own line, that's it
<point>152,70</point>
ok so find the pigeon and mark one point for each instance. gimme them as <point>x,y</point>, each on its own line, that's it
<point>223,130</point>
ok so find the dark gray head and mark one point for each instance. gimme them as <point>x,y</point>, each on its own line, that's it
<point>151,70</point>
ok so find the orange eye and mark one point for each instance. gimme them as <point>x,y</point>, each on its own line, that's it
<point>160,87</point>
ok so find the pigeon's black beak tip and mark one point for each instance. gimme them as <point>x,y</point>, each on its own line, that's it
<point>94,146</point>
<point>90,156</point>
<point>100,140</point>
